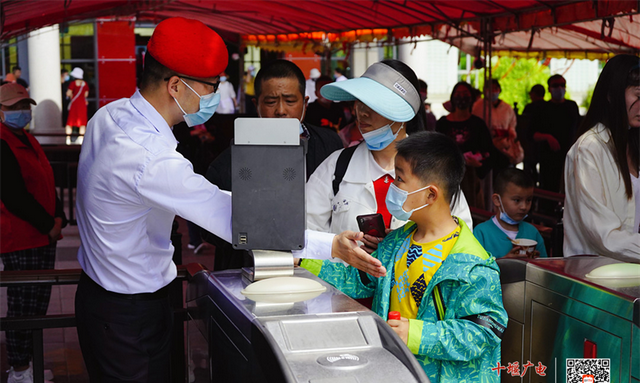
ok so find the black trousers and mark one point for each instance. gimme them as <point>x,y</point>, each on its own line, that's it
<point>123,338</point>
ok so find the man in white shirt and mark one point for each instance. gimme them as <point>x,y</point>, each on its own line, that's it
<point>310,84</point>
<point>131,185</point>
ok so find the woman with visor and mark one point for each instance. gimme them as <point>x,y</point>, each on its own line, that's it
<point>355,181</point>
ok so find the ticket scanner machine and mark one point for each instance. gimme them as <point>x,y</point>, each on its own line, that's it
<point>327,337</point>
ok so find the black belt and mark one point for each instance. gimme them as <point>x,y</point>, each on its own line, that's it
<point>160,294</point>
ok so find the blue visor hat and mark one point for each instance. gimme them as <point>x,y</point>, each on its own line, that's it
<point>382,89</point>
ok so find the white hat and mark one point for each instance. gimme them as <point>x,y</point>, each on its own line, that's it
<point>382,89</point>
<point>77,73</point>
<point>314,73</point>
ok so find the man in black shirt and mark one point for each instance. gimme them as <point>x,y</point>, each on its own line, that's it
<point>325,113</point>
<point>525,129</point>
<point>280,93</point>
<point>555,128</point>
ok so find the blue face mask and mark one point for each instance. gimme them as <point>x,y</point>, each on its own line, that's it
<point>208,105</point>
<point>557,93</point>
<point>504,217</point>
<point>17,119</point>
<point>380,138</point>
<point>495,96</point>
<point>395,200</point>
<point>223,78</point>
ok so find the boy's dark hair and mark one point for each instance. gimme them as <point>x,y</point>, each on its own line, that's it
<point>554,77</point>
<point>538,90</point>
<point>15,68</point>
<point>279,69</point>
<point>434,157</point>
<point>514,176</point>
<point>153,73</point>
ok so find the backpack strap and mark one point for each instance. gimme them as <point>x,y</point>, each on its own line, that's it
<point>341,167</point>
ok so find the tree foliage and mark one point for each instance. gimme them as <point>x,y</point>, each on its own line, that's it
<point>516,77</point>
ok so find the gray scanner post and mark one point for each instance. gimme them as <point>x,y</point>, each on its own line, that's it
<point>268,199</point>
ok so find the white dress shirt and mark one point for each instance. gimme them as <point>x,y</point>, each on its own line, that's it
<point>131,184</point>
<point>599,219</point>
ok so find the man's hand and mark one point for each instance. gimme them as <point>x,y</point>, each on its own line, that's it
<point>344,247</point>
<point>400,327</point>
<point>54,233</point>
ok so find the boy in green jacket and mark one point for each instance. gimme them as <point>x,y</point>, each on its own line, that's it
<point>444,284</point>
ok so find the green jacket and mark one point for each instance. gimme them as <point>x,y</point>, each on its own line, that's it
<point>449,350</point>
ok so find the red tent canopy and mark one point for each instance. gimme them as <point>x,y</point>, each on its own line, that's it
<point>452,21</point>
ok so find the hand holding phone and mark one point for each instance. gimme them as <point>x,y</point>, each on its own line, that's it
<point>372,224</point>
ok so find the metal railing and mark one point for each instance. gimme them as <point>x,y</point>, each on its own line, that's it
<point>71,276</point>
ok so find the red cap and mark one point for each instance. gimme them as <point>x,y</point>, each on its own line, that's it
<point>394,315</point>
<point>188,47</point>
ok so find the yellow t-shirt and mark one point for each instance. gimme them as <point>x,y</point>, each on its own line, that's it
<point>414,270</point>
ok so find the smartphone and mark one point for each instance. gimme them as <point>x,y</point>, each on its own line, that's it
<point>372,224</point>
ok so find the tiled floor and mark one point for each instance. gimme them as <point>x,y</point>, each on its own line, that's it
<point>61,349</point>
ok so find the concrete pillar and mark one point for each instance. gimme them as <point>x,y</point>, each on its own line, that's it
<point>363,56</point>
<point>436,63</point>
<point>45,86</point>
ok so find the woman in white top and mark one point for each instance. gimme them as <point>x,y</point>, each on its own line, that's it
<point>387,108</point>
<point>602,207</point>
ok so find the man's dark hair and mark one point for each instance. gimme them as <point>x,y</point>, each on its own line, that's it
<point>63,71</point>
<point>434,157</point>
<point>15,68</point>
<point>555,77</point>
<point>153,73</point>
<point>339,70</point>
<point>538,90</point>
<point>324,79</point>
<point>279,69</point>
<point>514,176</point>
<point>496,83</point>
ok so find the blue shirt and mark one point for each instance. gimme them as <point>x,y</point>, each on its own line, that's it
<point>496,242</point>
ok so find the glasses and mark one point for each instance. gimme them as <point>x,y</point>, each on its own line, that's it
<point>558,86</point>
<point>214,85</point>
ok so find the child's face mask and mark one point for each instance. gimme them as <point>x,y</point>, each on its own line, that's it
<point>395,200</point>
<point>504,217</point>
